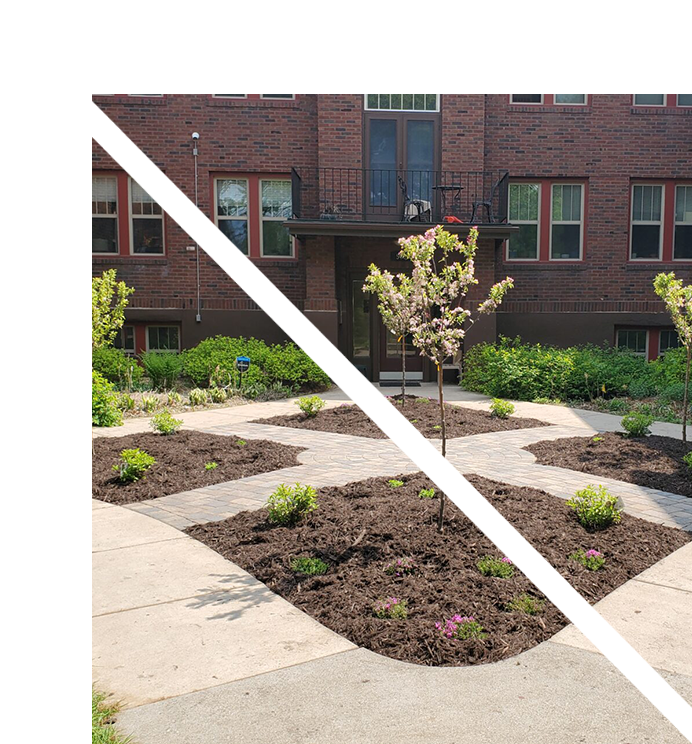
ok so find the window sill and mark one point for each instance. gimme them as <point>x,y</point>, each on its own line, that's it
<point>542,265</point>
<point>131,100</point>
<point>665,110</point>
<point>254,103</point>
<point>523,108</point>
<point>102,258</point>
<point>657,265</point>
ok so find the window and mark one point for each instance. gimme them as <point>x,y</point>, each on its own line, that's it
<point>125,339</point>
<point>682,240</point>
<point>646,233</point>
<point>232,210</point>
<point>147,221</point>
<point>566,225</point>
<point>668,339</point>
<point>104,215</point>
<point>573,99</point>
<point>279,96</point>
<point>402,102</point>
<point>527,98</point>
<point>634,340</point>
<point>230,95</point>
<point>523,211</point>
<point>684,99</point>
<point>649,99</point>
<point>163,338</point>
<point>276,208</point>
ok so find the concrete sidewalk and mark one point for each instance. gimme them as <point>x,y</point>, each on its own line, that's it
<point>200,652</point>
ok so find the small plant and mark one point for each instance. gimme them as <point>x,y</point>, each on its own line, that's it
<point>394,483</point>
<point>437,426</point>
<point>501,568</point>
<point>289,504</point>
<point>218,395</point>
<point>149,403</point>
<point>164,423</point>
<point>241,442</point>
<point>637,424</point>
<point>501,409</point>
<point>596,440</point>
<point>525,603</point>
<point>423,400</point>
<point>174,398</point>
<point>687,459</point>
<point>595,507</point>
<point>133,465</point>
<point>310,405</point>
<point>414,421</point>
<point>401,567</point>
<point>309,566</point>
<point>126,402</point>
<point>547,401</point>
<point>462,628</point>
<point>198,397</point>
<point>591,559</point>
<point>426,493</point>
<point>211,465</point>
<point>392,608</point>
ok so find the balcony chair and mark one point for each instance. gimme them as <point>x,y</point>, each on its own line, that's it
<point>487,204</point>
<point>415,210</point>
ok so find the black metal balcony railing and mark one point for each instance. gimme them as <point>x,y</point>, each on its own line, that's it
<point>362,195</point>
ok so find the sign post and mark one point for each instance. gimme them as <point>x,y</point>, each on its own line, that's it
<point>242,364</point>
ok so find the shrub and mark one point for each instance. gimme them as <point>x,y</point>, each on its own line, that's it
<point>217,395</point>
<point>394,483</point>
<point>174,398</point>
<point>392,608</point>
<point>104,402</point>
<point>309,566</point>
<point>501,408</point>
<point>162,367</point>
<point>637,424</point>
<point>198,397</point>
<point>591,559</point>
<point>211,465</point>
<point>117,367</point>
<point>426,493</point>
<point>595,507</point>
<point>165,424</point>
<point>401,567</point>
<point>525,603</point>
<point>133,465</point>
<point>310,405</point>
<point>687,459</point>
<point>289,504</point>
<point>461,628</point>
<point>149,403</point>
<point>126,402</point>
<point>501,568</point>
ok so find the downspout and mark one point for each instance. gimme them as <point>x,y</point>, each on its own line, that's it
<point>195,138</point>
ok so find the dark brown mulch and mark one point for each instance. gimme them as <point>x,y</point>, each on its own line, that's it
<point>180,460</point>
<point>423,413</point>
<point>655,462</point>
<point>360,527</point>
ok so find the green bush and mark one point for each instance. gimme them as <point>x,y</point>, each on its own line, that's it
<point>133,465</point>
<point>117,367</point>
<point>637,424</point>
<point>165,424</point>
<point>162,367</point>
<point>289,504</point>
<point>310,405</point>
<point>595,507</point>
<point>501,408</point>
<point>174,398</point>
<point>309,566</point>
<point>104,402</point>
<point>426,493</point>
<point>126,402</point>
<point>394,483</point>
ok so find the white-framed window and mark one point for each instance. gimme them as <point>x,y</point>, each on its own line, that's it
<point>275,205</point>
<point>649,99</point>
<point>104,214</point>
<point>279,96</point>
<point>566,224</point>
<point>402,102</point>
<point>232,210</point>
<point>163,338</point>
<point>524,211</point>
<point>125,339</point>
<point>684,99</point>
<point>229,95</point>
<point>145,95</point>
<point>571,99</point>
<point>682,237</point>
<point>646,231</point>
<point>668,339</point>
<point>146,221</point>
<point>526,98</point>
<point>636,340</point>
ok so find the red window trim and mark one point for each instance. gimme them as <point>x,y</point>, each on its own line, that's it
<point>544,222</point>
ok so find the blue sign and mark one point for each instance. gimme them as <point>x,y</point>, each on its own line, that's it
<point>242,363</point>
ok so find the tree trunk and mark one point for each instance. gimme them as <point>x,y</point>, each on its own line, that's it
<point>441,514</point>
<point>686,395</point>
<point>403,370</point>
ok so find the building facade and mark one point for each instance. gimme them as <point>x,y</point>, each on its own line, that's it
<point>581,198</point>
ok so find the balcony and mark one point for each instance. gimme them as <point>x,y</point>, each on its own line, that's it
<point>354,201</point>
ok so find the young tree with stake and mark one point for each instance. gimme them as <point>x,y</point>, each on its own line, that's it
<point>678,301</point>
<point>108,303</point>
<point>443,273</point>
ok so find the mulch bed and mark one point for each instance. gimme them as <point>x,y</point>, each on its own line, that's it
<point>423,413</point>
<point>655,462</point>
<point>180,460</point>
<point>361,527</point>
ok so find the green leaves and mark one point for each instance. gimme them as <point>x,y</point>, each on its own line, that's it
<point>108,303</point>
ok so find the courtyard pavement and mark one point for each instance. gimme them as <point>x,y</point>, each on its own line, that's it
<point>200,651</point>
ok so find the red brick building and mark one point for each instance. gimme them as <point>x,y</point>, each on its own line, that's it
<point>581,198</point>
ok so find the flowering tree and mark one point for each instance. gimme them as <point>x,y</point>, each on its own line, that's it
<point>396,306</point>
<point>678,301</point>
<point>443,273</point>
<point>108,302</point>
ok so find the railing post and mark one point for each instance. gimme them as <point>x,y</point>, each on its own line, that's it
<point>296,188</point>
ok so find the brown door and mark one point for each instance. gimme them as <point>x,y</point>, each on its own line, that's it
<point>390,356</point>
